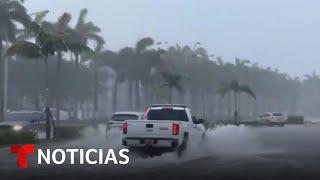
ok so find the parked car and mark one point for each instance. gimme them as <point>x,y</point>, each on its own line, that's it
<point>272,118</point>
<point>166,126</point>
<point>25,121</point>
<point>114,125</point>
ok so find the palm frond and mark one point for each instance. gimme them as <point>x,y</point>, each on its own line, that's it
<point>48,27</point>
<point>173,80</point>
<point>78,48</point>
<point>143,44</point>
<point>97,38</point>
<point>18,12</point>
<point>234,85</point>
<point>82,17</point>
<point>90,27</point>
<point>63,22</point>
<point>224,89</point>
<point>29,32</point>
<point>40,16</point>
<point>248,90</point>
<point>11,31</point>
<point>24,48</point>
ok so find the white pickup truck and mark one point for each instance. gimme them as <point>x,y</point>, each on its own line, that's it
<point>165,126</point>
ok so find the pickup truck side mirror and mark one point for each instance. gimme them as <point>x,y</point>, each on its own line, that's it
<point>200,121</point>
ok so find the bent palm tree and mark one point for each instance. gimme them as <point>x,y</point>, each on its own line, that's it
<point>27,34</point>
<point>236,88</point>
<point>46,44</point>
<point>11,12</point>
<point>137,67</point>
<point>85,32</point>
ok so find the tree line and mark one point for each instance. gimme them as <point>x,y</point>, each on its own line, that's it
<point>54,64</point>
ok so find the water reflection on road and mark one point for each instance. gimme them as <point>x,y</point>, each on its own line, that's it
<point>226,147</point>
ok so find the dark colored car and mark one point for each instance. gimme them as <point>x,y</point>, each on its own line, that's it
<point>25,121</point>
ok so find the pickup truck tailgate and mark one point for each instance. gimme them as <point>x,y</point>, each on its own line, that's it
<point>150,128</point>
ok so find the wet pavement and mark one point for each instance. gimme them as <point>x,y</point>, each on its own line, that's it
<point>230,152</point>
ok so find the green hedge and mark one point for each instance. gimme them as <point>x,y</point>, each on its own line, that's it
<point>68,132</point>
<point>16,137</point>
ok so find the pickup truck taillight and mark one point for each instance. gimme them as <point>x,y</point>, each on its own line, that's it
<point>125,128</point>
<point>175,129</point>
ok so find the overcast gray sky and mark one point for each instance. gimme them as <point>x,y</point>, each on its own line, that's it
<point>283,34</point>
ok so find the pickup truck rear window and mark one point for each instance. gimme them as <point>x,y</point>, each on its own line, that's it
<point>167,114</point>
<point>124,117</point>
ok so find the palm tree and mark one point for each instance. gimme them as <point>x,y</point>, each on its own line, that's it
<point>26,34</point>
<point>60,30</point>
<point>83,32</point>
<point>98,61</point>
<point>124,67</point>
<point>236,88</point>
<point>10,13</point>
<point>138,66</point>
<point>172,81</point>
<point>46,44</point>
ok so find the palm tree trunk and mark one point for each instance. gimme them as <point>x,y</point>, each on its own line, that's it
<point>236,113</point>
<point>194,101</point>
<point>47,108</point>
<point>81,108</point>
<point>130,84</point>
<point>137,91</point>
<point>182,97</point>
<point>146,95</point>
<point>1,82</point>
<point>219,109</point>
<point>76,100</point>
<point>203,102</point>
<point>115,94</point>
<point>170,95</point>
<point>229,105</point>
<point>95,103</point>
<point>57,88</point>
<point>36,90</point>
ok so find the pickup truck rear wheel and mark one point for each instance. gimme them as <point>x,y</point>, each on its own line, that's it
<point>184,144</point>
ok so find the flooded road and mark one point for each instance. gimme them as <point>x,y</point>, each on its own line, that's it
<point>229,152</point>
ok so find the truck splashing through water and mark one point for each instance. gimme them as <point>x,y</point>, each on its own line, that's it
<point>166,126</point>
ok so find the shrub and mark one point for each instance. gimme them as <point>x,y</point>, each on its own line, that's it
<point>295,120</point>
<point>16,137</point>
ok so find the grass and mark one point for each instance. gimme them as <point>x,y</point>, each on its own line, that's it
<point>16,137</point>
<point>61,133</point>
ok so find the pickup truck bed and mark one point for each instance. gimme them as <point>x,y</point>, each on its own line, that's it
<point>166,126</point>
<point>155,133</point>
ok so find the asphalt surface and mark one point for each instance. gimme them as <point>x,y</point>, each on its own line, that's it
<point>229,152</point>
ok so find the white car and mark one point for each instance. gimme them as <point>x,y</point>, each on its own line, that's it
<point>117,119</point>
<point>167,126</point>
<point>275,118</point>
